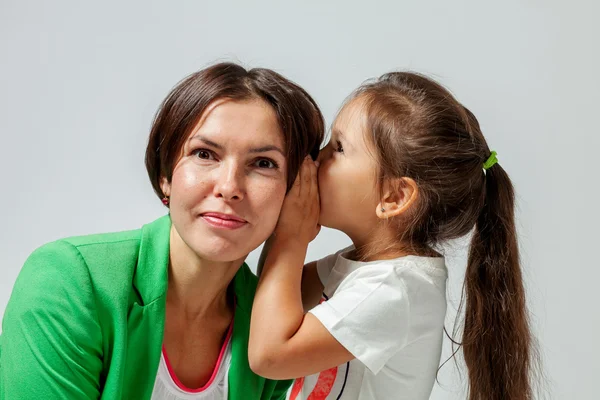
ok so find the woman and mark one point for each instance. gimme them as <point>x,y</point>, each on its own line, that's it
<point>164,311</point>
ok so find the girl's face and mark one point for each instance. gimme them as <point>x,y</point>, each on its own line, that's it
<point>228,186</point>
<point>348,177</point>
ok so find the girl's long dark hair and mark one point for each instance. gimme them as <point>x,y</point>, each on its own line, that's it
<point>420,131</point>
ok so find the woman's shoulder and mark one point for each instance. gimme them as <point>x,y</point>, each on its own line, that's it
<point>113,244</point>
<point>88,250</point>
<point>245,282</point>
<point>107,248</point>
<point>106,262</point>
<point>99,239</point>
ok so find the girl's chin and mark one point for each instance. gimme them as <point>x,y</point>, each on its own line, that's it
<point>324,222</point>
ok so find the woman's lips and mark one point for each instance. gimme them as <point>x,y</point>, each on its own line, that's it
<point>224,221</point>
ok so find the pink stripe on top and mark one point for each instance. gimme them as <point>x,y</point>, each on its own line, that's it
<point>215,370</point>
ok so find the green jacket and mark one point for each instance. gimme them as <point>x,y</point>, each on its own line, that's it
<point>86,318</point>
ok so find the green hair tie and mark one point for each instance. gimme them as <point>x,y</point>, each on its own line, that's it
<point>491,161</point>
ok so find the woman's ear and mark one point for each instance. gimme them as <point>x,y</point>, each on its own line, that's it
<point>399,195</point>
<point>165,186</point>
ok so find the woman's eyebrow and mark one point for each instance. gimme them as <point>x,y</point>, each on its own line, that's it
<point>207,141</point>
<point>267,148</point>
<point>261,149</point>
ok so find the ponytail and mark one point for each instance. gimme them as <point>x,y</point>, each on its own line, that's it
<point>422,132</point>
<point>496,342</point>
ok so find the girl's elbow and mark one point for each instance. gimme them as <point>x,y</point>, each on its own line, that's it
<point>263,362</point>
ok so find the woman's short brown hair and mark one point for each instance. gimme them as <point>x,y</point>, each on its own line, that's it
<point>299,116</point>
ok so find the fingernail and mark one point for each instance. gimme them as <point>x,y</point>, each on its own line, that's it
<point>317,164</point>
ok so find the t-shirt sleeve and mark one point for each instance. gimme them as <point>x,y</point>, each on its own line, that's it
<point>369,314</point>
<point>325,265</point>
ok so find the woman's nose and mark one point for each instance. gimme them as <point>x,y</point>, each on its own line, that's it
<point>229,183</point>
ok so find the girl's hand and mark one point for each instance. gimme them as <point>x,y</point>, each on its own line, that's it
<point>299,218</point>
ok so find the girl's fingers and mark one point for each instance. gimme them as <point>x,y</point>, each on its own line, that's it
<point>305,174</point>
<point>308,180</point>
<point>316,189</point>
<point>296,187</point>
<point>314,184</point>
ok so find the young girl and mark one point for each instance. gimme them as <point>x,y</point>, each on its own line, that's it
<point>406,169</point>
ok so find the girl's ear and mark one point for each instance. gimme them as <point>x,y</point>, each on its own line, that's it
<point>399,195</point>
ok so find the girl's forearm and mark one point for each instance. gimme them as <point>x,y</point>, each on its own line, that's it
<point>263,255</point>
<point>277,311</point>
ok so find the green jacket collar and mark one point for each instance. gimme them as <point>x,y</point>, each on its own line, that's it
<point>151,276</point>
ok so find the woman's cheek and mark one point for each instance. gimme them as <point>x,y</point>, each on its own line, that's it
<point>269,199</point>
<point>191,185</point>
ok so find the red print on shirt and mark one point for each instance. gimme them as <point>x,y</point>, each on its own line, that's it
<point>325,381</point>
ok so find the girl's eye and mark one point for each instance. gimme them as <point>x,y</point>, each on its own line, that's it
<point>265,163</point>
<point>339,147</point>
<point>203,154</point>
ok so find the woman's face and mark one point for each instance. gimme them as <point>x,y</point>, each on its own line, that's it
<point>228,186</point>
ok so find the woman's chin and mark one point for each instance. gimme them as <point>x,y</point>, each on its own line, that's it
<point>222,256</point>
<point>220,250</point>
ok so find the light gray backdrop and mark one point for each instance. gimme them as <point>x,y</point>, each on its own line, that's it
<point>80,82</point>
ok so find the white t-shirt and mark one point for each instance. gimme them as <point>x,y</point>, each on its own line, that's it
<point>390,315</point>
<point>168,387</point>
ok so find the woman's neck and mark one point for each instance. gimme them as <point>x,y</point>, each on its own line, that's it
<point>198,286</point>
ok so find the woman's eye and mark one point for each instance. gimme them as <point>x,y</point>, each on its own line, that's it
<point>339,147</point>
<point>265,163</point>
<point>203,154</point>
